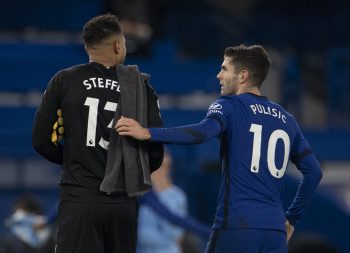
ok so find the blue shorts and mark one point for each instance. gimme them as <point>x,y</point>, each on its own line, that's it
<point>247,241</point>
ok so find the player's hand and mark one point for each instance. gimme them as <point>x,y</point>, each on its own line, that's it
<point>130,127</point>
<point>40,223</point>
<point>57,129</point>
<point>289,230</point>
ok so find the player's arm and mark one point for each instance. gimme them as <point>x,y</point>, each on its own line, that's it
<point>155,150</point>
<point>289,230</point>
<point>210,127</point>
<point>44,120</point>
<point>306,161</point>
<point>190,134</point>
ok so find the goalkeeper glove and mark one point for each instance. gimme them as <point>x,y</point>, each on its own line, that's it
<point>57,129</point>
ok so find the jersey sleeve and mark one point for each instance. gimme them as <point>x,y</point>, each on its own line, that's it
<point>219,110</point>
<point>211,126</point>
<point>307,163</point>
<point>45,117</point>
<point>189,134</point>
<point>155,150</point>
<point>300,146</point>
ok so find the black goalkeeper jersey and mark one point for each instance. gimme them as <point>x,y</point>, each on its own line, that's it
<point>88,95</point>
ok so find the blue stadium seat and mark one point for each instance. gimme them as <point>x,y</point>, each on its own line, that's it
<point>63,15</point>
<point>15,131</point>
<point>30,66</point>
<point>339,87</point>
<point>173,74</point>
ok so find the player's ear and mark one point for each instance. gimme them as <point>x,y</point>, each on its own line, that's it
<point>243,76</point>
<point>117,47</point>
<point>86,49</point>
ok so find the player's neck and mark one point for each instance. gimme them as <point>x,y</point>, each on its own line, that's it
<point>102,59</point>
<point>249,89</point>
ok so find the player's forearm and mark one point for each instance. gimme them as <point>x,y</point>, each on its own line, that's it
<point>41,141</point>
<point>155,150</point>
<point>312,175</point>
<point>190,134</point>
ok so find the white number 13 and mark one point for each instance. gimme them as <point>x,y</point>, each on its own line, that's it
<point>92,103</point>
<point>271,150</point>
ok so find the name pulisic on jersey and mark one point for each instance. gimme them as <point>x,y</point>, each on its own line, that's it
<point>99,82</point>
<point>259,108</point>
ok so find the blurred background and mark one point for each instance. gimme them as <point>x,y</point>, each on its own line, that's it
<point>181,44</point>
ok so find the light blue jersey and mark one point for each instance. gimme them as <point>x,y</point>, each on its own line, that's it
<point>156,234</point>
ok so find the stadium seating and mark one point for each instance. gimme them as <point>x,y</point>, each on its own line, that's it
<point>47,15</point>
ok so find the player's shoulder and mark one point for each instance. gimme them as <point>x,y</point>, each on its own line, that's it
<point>290,120</point>
<point>224,105</point>
<point>225,100</point>
<point>151,91</point>
<point>282,109</point>
<point>72,70</point>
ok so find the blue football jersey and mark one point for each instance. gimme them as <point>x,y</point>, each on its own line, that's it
<point>257,140</point>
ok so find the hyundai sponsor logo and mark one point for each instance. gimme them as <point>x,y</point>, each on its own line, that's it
<point>215,106</point>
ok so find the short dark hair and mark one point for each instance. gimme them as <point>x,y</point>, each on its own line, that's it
<point>100,28</point>
<point>253,58</point>
<point>28,204</point>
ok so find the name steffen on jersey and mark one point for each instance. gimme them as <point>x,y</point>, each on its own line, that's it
<point>99,82</point>
<point>267,110</point>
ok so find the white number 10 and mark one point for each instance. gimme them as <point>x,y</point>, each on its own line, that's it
<point>271,150</point>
